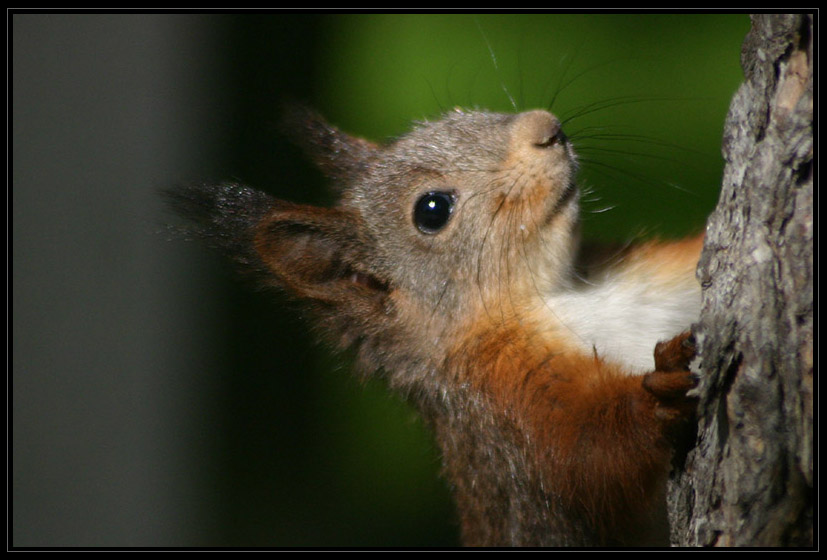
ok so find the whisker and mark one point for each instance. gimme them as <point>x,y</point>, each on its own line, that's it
<point>438,302</point>
<point>603,168</point>
<point>574,78</point>
<point>608,103</point>
<point>496,65</point>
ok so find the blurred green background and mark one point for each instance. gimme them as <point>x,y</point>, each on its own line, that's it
<point>158,401</point>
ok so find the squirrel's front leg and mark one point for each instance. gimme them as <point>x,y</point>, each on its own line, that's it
<point>613,441</point>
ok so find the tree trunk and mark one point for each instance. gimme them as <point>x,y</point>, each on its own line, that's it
<point>749,480</point>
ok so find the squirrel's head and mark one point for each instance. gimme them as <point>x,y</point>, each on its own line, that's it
<point>466,215</point>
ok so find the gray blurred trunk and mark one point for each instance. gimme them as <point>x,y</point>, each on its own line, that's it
<point>749,479</point>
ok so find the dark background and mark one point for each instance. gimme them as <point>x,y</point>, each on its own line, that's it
<point>156,400</point>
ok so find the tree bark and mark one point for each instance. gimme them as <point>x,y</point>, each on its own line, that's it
<point>749,479</point>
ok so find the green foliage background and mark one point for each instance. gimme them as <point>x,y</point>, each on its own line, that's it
<point>306,454</point>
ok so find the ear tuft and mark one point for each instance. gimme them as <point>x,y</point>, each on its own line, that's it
<point>224,215</point>
<point>339,155</point>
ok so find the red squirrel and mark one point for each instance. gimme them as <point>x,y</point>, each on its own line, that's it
<point>452,265</point>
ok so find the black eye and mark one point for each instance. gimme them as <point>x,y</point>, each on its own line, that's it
<point>432,211</point>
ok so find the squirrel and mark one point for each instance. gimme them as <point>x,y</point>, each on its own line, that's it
<point>553,376</point>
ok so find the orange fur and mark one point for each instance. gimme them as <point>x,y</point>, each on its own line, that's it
<point>665,261</point>
<point>598,437</point>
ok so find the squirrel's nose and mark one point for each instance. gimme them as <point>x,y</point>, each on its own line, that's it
<point>538,128</point>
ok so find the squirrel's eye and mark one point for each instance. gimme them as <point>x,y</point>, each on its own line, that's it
<point>432,211</point>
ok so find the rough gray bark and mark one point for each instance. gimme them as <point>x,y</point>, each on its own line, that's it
<point>749,480</point>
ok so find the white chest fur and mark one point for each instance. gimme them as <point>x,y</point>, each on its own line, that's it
<point>623,319</point>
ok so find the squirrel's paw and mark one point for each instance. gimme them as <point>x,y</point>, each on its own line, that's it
<point>675,354</point>
<point>671,380</point>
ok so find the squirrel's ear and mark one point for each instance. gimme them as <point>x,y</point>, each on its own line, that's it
<point>319,254</point>
<point>339,155</point>
<point>316,253</point>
